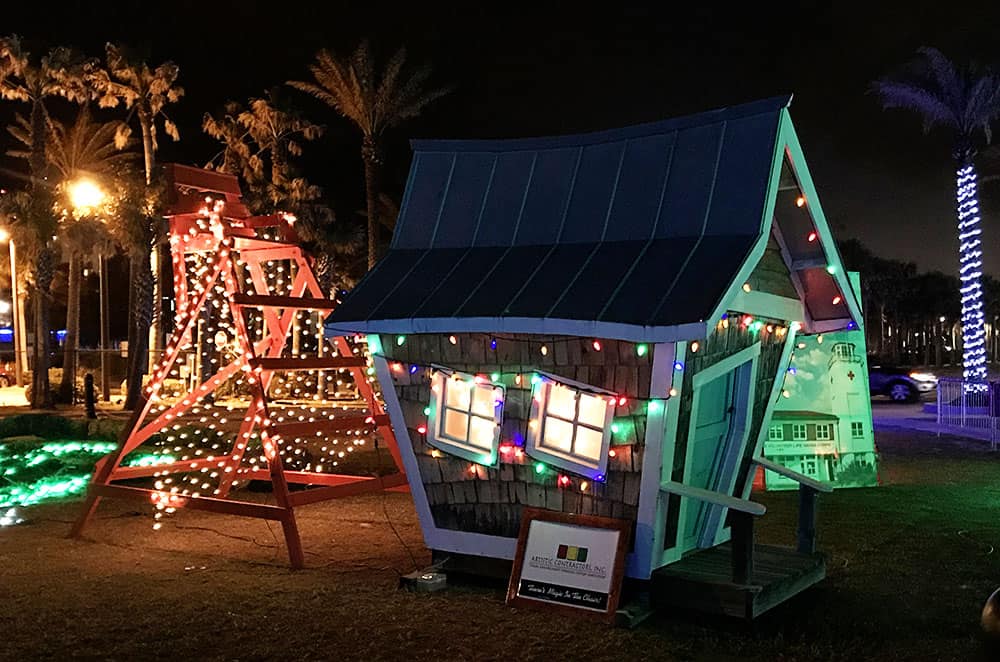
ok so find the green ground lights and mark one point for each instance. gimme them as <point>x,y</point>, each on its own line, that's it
<point>34,473</point>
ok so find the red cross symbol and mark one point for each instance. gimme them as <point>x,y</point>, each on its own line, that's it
<point>850,375</point>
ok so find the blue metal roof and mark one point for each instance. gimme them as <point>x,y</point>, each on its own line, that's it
<point>642,227</point>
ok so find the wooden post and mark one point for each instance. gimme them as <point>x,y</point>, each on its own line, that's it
<point>742,542</point>
<point>807,519</point>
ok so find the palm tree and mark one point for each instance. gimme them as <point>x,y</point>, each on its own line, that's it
<point>59,73</point>
<point>374,102</point>
<point>145,92</point>
<point>965,100</point>
<point>84,241</point>
<point>257,143</point>
<point>82,149</point>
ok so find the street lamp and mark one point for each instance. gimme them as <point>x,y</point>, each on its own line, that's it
<point>20,359</point>
<point>85,195</point>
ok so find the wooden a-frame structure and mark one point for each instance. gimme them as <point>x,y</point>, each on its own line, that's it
<point>220,228</point>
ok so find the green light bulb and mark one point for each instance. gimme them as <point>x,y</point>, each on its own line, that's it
<point>495,377</point>
<point>640,350</point>
<point>400,340</point>
<point>539,468</point>
<point>831,269</point>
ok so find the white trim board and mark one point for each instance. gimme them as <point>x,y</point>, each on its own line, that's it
<point>772,401</point>
<point>448,540</point>
<point>650,515</point>
<point>522,325</point>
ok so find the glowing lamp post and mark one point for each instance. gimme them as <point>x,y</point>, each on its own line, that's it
<point>85,196</point>
<point>17,318</point>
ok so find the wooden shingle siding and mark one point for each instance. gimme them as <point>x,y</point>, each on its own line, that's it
<point>474,498</point>
<point>771,274</point>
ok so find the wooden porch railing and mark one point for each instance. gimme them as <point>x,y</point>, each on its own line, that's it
<point>743,512</point>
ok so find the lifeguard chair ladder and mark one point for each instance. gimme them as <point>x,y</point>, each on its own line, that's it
<point>231,239</point>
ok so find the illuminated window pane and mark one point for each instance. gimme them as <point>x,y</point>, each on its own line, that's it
<point>593,410</point>
<point>482,432</point>
<point>562,402</point>
<point>570,428</point>
<point>483,400</point>
<point>558,434</point>
<point>589,443</point>
<point>465,416</point>
<point>457,394</point>
<point>456,424</point>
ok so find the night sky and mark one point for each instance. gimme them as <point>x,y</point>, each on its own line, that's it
<point>541,68</point>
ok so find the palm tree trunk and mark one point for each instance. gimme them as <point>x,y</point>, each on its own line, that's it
<point>970,269</point>
<point>156,335</point>
<point>146,124</point>
<point>67,389</point>
<point>370,155</point>
<point>142,313</point>
<point>41,394</point>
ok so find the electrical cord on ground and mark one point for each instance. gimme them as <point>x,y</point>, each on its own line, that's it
<point>385,509</point>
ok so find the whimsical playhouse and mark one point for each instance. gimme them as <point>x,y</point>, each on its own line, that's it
<point>601,324</point>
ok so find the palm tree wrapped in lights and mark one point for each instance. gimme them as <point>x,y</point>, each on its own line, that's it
<point>966,100</point>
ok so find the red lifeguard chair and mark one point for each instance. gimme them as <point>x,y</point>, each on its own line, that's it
<point>240,394</point>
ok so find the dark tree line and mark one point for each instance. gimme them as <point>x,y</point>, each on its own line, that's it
<point>914,317</point>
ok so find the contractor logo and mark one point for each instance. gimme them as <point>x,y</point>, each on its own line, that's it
<point>571,553</point>
<point>571,559</point>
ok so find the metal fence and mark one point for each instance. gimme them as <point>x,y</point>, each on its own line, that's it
<point>970,405</point>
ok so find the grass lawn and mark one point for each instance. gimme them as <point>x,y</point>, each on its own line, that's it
<point>910,566</point>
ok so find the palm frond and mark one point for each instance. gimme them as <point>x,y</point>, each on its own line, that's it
<point>931,108</point>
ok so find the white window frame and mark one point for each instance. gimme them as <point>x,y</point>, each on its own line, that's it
<point>435,418</point>
<point>827,435</point>
<point>857,430</point>
<point>796,428</point>
<point>534,445</point>
<point>776,432</point>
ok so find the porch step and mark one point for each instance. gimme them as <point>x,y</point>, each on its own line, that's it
<point>703,580</point>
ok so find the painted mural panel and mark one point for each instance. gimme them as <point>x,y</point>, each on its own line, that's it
<point>823,427</point>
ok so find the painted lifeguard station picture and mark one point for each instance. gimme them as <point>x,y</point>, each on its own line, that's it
<point>601,324</point>
<point>823,426</point>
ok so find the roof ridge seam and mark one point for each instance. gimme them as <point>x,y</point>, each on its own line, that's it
<point>444,200</point>
<point>486,197</point>
<point>652,232</point>
<point>697,243</point>
<point>614,189</point>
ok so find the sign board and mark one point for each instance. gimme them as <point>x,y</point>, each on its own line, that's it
<point>823,426</point>
<point>569,562</point>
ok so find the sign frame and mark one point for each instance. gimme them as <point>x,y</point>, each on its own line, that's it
<point>529,515</point>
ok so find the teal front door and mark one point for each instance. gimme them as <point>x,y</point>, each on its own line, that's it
<point>713,419</point>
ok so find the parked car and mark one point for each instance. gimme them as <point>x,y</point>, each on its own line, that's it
<point>900,384</point>
<point>7,374</point>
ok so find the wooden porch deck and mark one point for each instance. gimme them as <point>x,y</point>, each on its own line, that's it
<point>704,580</point>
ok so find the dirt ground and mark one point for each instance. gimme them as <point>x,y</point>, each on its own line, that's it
<point>910,566</point>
